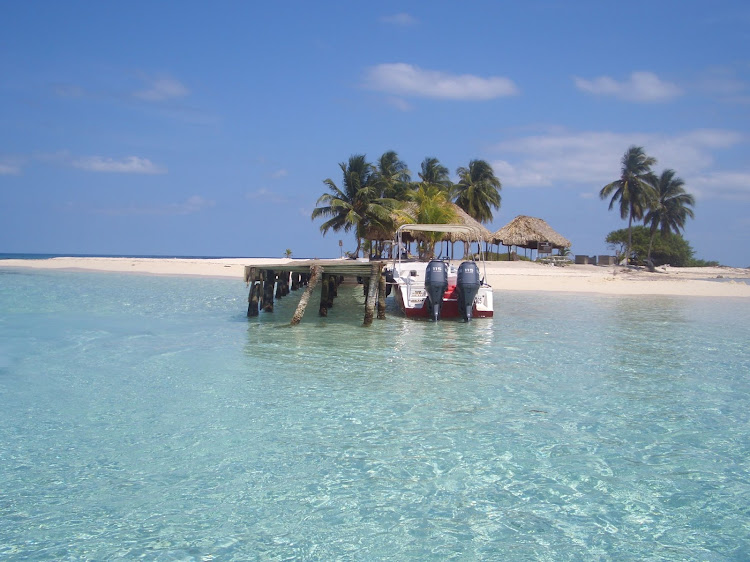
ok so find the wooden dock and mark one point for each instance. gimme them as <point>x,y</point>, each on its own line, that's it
<point>275,280</point>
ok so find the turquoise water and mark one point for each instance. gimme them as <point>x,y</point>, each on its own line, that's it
<point>147,418</point>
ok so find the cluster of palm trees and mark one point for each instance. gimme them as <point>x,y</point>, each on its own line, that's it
<point>377,198</point>
<point>659,200</point>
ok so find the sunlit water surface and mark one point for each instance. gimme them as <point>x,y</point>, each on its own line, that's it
<point>148,418</point>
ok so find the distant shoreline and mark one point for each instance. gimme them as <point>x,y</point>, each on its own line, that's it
<point>503,276</point>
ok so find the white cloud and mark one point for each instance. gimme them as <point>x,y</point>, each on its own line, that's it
<point>266,195</point>
<point>191,205</point>
<point>129,165</point>
<point>162,89</point>
<point>402,19</point>
<point>399,103</point>
<point>734,186</point>
<point>279,174</point>
<point>69,91</point>
<point>9,169</point>
<point>409,80</point>
<point>588,160</point>
<point>640,87</point>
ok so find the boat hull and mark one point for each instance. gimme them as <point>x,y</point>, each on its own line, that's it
<point>414,305</point>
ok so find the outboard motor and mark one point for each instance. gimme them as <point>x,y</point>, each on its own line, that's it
<point>436,283</point>
<point>467,284</point>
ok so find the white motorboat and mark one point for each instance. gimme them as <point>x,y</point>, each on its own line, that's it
<point>439,288</point>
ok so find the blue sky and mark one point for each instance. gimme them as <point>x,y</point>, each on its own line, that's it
<point>197,128</point>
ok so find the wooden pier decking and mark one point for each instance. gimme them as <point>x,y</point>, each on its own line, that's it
<point>267,280</point>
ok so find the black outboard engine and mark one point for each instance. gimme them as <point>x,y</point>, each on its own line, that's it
<point>467,283</point>
<point>436,283</point>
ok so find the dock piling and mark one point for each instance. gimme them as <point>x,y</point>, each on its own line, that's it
<point>381,296</point>
<point>268,285</point>
<point>372,289</point>
<point>324,297</point>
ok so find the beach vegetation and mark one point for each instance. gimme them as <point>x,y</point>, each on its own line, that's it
<point>504,256</point>
<point>430,205</point>
<point>433,173</point>
<point>666,248</point>
<point>392,177</point>
<point>374,199</point>
<point>671,206</point>
<point>633,189</point>
<point>703,263</point>
<point>358,204</point>
<point>478,190</point>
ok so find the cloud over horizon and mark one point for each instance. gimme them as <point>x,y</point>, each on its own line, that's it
<point>191,205</point>
<point>409,80</point>
<point>8,168</point>
<point>401,19</point>
<point>266,195</point>
<point>161,89</point>
<point>644,87</point>
<point>128,165</point>
<point>590,159</point>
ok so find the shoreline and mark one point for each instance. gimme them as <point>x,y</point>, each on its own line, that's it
<point>502,276</point>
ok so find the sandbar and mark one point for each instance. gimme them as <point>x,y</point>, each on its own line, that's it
<point>503,276</point>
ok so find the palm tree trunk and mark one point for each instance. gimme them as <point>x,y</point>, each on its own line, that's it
<point>651,243</point>
<point>630,238</point>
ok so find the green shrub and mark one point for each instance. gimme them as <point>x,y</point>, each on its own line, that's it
<point>670,248</point>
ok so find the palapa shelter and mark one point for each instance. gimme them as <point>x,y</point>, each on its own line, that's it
<point>462,217</point>
<point>529,232</point>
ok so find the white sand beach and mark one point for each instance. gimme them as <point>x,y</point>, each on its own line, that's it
<point>503,276</point>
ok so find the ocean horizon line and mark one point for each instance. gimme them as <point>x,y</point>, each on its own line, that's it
<point>44,256</point>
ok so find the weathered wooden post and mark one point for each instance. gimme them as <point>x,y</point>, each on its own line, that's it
<point>295,281</point>
<point>381,296</point>
<point>316,272</point>
<point>323,310</point>
<point>372,289</point>
<point>268,284</point>
<point>282,284</point>
<point>252,297</point>
<point>332,290</point>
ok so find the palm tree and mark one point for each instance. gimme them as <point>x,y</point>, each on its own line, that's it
<point>392,176</point>
<point>671,207</point>
<point>434,173</point>
<point>633,189</point>
<point>431,205</point>
<point>356,205</point>
<point>477,190</point>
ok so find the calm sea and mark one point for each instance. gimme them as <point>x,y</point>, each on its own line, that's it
<point>146,417</point>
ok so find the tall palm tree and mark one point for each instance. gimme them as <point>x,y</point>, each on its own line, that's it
<point>356,204</point>
<point>633,189</point>
<point>671,207</point>
<point>392,176</point>
<point>478,190</point>
<point>434,173</point>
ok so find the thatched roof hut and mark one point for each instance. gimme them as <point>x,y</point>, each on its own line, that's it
<point>529,232</point>
<point>462,217</point>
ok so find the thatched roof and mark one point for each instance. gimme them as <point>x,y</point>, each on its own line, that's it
<point>528,232</point>
<point>462,217</point>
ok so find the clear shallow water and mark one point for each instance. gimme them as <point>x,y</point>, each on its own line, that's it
<point>147,418</point>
